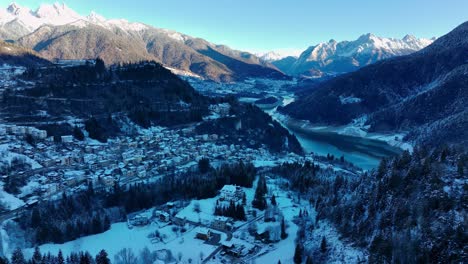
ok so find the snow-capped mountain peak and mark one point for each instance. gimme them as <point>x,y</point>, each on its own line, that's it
<point>278,54</point>
<point>334,57</point>
<point>95,18</point>
<point>15,9</point>
<point>56,14</point>
<point>56,10</point>
<point>365,44</point>
<point>408,38</point>
<point>59,14</point>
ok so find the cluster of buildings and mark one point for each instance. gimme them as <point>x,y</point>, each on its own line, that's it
<point>22,131</point>
<point>153,153</point>
<point>247,88</point>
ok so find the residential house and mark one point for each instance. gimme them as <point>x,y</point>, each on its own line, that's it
<point>179,221</point>
<point>203,234</point>
<point>137,220</point>
<point>163,216</point>
<point>221,223</point>
<point>231,192</point>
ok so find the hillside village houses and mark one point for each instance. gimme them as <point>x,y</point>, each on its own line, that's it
<point>152,153</point>
<point>22,131</point>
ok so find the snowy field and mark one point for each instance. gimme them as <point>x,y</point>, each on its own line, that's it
<point>192,250</point>
<point>8,200</point>
<point>120,236</point>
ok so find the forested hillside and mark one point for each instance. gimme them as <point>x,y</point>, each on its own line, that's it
<point>412,209</point>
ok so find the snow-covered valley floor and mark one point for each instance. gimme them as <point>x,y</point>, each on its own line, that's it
<point>189,249</point>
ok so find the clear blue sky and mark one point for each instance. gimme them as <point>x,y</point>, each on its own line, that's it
<point>274,24</point>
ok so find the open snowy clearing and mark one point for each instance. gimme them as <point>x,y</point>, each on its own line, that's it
<point>120,236</point>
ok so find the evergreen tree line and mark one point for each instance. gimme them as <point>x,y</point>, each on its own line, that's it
<point>123,256</point>
<point>74,258</point>
<point>191,185</point>
<point>235,211</point>
<point>73,216</point>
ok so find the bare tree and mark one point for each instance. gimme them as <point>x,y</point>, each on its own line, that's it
<point>146,256</point>
<point>125,256</point>
<point>197,209</point>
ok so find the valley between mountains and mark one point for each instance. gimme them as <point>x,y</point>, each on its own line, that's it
<point>122,142</point>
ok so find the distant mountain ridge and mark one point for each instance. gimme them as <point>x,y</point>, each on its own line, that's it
<point>332,58</point>
<point>276,55</point>
<point>424,93</point>
<point>58,32</point>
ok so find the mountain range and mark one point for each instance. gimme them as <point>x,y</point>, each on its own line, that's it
<point>333,58</point>
<point>423,93</point>
<point>57,32</point>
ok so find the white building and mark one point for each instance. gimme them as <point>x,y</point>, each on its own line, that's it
<point>67,139</point>
<point>231,192</point>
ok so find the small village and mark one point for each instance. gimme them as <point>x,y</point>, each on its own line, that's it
<point>36,167</point>
<point>52,167</point>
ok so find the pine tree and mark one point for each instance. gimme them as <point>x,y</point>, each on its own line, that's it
<point>102,258</point>
<point>35,218</point>
<point>284,235</point>
<point>96,225</point>
<point>37,255</point>
<point>78,134</point>
<point>323,245</point>
<point>90,190</point>
<point>460,167</point>
<point>204,165</point>
<point>18,257</point>
<point>85,258</point>
<point>60,259</point>
<point>100,66</point>
<point>259,198</point>
<point>298,254</point>
<point>240,213</point>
